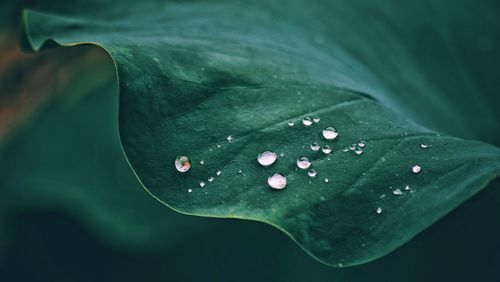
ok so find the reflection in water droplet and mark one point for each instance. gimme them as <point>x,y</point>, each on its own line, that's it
<point>397,192</point>
<point>358,151</point>
<point>218,172</point>
<point>416,169</point>
<point>229,138</point>
<point>210,179</point>
<point>277,181</point>
<point>361,143</point>
<point>326,149</point>
<point>202,184</point>
<point>312,172</point>
<point>315,146</point>
<point>424,146</point>
<point>303,163</point>
<point>202,162</point>
<point>316,119</point>
<point>182,163</point>
<point>307,121</point>
<point>267,158</point>
<point>291,123</point>
<point>379,210</point>
<point>330,133</point>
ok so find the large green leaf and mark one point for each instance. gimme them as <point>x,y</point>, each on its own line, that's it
<point>192,73</point>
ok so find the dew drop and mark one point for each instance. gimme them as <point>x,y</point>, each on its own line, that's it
<point>345,150</point>
<point>303,163</point>
<point>307,121</point>
<point>240,171</point>
<point>312,172</point>
<point>379,210</point>
<point>397,192</point>
<point>190,190</point>
<point>416,169</point>
<point>267,158</point>
<point>407,188</point>
<point>326,149</point>
<point>361,143</point>
<point>358,151</point>
<point>352,147</point>
<point>218,146</point>
<point>330,133</point>
<point>182,163</point>
<point>424,146</point>
<point>218,172</point>
<point>327,180</point>
<point>276,181</point>
<point>202,162</point>
<point>291,123</point>
<point>316,119</point>
<point>315,146</point>
<point>229,138</point>
<point>202,184</point>
<point>211,179</point>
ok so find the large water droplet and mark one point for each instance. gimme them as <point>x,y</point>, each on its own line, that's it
<point>316,119</point>
<point>416,169</point>
<point>326,149</point>
<point>202,184</point>
<point>277,181</point>
<point>330,133</point>
<point>267,158</point>
<point>397,192</point>
<point>291,123</point>
<point>315,146</point>
<point>303,163</point>
<point>182,163</point>
<point>312,172</point>
<point>379,210</point>
<point>307,121</point>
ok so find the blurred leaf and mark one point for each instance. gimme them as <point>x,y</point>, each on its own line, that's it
<point>192,73</point>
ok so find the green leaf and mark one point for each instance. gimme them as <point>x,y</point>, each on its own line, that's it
<point>192,73</point>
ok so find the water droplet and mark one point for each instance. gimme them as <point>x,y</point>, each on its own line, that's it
<point>277,181</point>
<point>307,121</point>
<point>202,184</point>
<point>315,146</point>
<point>358,151</point>
<point>202,162</point>
<point>291,123</point>
<point>267,158</point>
<point>407,188</point>
<point>282,154</point>
<point>190,190</point>
<point>416,169</point>
<point>361,143</point>
<point>218,146</point>
<point>397,192</point>
<point>316,119</point>
<point>240,171</point>
<point>303,163</point>
<point>379,210</point>
<point>330,133</point>
<point>352,147</point>
<point>229,138</point>
<point>182,163</point>
<point>345,150</point>
<point>211,179</point>
<point>218,172</point>
<point>327,180</point>
<point>326,149</point>
<point>312,172</point>
<point>424,146</point>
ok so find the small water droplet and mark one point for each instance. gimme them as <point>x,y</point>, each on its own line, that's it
<point>326,149</point>
<point>316,119</point>
<point>315,146</point>
<point>190,190</point>
<point>397,192</point>
<point>202,162</point>
<point>303,163</point>
<point>358,151</point>
<point>211,179</point>
<point>312,172</point>
<point>240,171</point>
<point>218,146</point>
<point>277,181</point>
<point>330,133</point>
<point>202,184</point>
<point>229,138</point>
<point>307,121</point>
<point>416,169</point>
<point>345,150</point>
<point>182,163</point>
<point>424,146</point>
<point>218,172</point>
<point>327,180</point>
<point>291,123</point>
<point>352,147</point>
<point>379,210</point>
<point>282,154</point>
<point>361,143</point>
<point>211,149</point>
<point>267,158</point>
<point>407,188</point>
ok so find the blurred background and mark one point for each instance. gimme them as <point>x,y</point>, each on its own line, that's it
<point>71,209</point>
